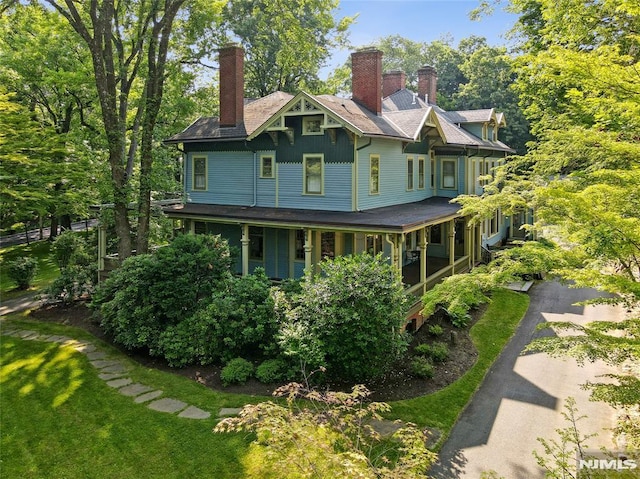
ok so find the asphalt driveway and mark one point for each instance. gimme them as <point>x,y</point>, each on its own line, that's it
<point>522,396</point>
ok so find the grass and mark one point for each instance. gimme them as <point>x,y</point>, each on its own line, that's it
<point>490,335</point>
<point>47,268</point>
<point>60,420</point>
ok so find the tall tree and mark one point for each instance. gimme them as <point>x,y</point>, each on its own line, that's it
<point>579,82</point>
<point>286,42</point>
<point>129,44</point>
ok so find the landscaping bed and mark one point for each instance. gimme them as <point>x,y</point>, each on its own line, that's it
<point>399,383</point>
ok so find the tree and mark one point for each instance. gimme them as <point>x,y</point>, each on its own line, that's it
<point>286,43</point>
<point>330,434</point>
<point>349,317</point>
<point>578,81</point>
<point>129,44</point>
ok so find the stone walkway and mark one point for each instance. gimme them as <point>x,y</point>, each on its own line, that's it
<point>115,374</point>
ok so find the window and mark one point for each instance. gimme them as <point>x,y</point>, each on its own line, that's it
<point>494,133</point>
<point>312,125</point>
<point>448,174</point>
<point>374,174</point>
<point>256,243</point>
<point>410,173</point>
<point>313,171</point>
<point>374,244</point>
<point>421,173</point>
<point>200,173</point>
<point>435,234</point>
<point>432,166</point>
<point>495,223</point>
<point>328,244</point>
<point>485,128</point>
<point>299,242</point>
<point>266,166</point>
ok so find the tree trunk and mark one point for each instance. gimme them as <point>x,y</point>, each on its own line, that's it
<point>53,232</point>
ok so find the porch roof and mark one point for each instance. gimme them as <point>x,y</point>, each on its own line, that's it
<point>389,219</point>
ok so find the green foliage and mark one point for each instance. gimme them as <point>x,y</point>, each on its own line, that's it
<point>237,371</point>
<point>437,352</point>
<point>238,319</point>
<point>327,435</point>
<point>150,293</point>
<point>422,367</point>
<point>435,330</point>
<point>349,316</point>
<point>22,271</point>
<point>272,370</point>
<point>65,246</point>
<point>529,259</point>
<point>286,43</point>
<point>460,293</point>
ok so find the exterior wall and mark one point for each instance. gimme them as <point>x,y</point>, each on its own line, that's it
<point>392,176</point>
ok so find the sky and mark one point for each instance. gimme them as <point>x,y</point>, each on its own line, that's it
<point>419,20</point>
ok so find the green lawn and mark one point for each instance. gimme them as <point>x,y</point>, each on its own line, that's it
<point>47,268</point>
<point>60,420</point>
<point>490,335</point>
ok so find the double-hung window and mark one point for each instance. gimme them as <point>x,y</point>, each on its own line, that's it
<point>410,173</point>
<point>267,166</point>
<point>199,173</point>
<point>313,165</point>
<point>432,167</point>
<point>374,175</point>
<point>420,173</point>
<point>448,173</point>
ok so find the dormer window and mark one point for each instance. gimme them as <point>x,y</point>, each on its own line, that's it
<point>312,125</point>
<point>494,133</point>
<point>485,131</point>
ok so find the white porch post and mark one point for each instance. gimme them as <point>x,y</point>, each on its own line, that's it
<point>422,246</point>
<point>452,243</point>
<point>245,249</point>
<point>308,248</point>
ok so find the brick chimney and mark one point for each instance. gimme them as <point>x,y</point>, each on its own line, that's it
<point>366,79</point>
<point>231,59</point>
<point>428,84</point>
<point>392,82</point>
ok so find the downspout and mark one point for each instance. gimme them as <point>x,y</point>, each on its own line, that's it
<point>395,254</point>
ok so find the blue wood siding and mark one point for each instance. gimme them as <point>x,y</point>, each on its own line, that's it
<point>393,175</point>
<point>229,178</point>
<point>266,187</point>
<point>337,187</point>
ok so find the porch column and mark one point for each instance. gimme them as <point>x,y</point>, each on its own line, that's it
<point>422,247</point>
<point>245,249</point>
<point>468,247</point>
<point>452,243</point>
<point>102,246</point>
<point>308,248</point>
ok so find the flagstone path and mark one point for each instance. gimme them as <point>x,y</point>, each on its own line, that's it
<point>115,374</point>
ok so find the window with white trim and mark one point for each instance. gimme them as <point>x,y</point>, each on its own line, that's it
<point>199,164</point>
<point>421,173</point>
<point>410,173</point>
<point>374,174</point>
<point>267,166</point>
<point>313,166</point>
<point>448,174</point>
<point>432,166</point>
<point>312,125</point>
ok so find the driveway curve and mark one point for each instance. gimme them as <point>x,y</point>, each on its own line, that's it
<point>523,395</point>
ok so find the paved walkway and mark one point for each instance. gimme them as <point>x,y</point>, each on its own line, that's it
<point>115,373</point>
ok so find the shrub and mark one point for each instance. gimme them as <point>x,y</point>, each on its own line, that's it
<point>22,271</point>
<point>435,330</point>
<point>352,313</point>
<point>78,272</point>
<point>422,367</point>
<point>66,246</point>
<point>437,352</point>
<point>460,293</point>
<point>150,293</point>
<point>237,371</point>
<point>272,370</point>
<point>238,320</point>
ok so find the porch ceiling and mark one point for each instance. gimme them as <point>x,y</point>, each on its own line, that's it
<point>390,219</point>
